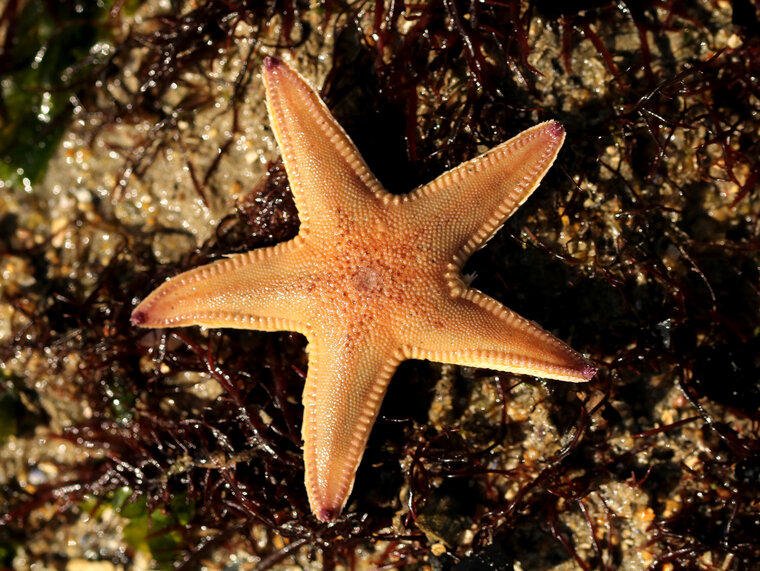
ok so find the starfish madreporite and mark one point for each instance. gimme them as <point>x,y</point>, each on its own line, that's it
<point>371,279</point>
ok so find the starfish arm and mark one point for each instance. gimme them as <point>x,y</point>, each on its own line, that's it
<point>345,385</point>
<point>259,290</point>
<point>472,201</point>
<point>329,178</point>
<point>477,331</point>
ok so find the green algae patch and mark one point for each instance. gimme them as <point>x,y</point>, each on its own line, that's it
<point>156,530</point>
<point>49,51</point>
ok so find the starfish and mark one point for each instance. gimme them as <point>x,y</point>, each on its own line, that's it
<point>371,279</point>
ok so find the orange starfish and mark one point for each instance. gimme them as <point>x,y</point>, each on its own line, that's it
<point>371,279</point>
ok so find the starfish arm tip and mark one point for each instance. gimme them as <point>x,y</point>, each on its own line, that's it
<point>271,62</point>
<point>588,371</point>
<point>556,128</point>
<point>139,317</point>
<point>326,514</point>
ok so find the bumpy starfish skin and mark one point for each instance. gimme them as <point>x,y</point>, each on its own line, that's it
<point>371,279</point>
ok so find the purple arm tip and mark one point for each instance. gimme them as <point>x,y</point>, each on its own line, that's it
<point>588,371</point>
<point>138,318</point>
<point>556,129</point>
<point>271,62</point>
<point>326,514</point>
